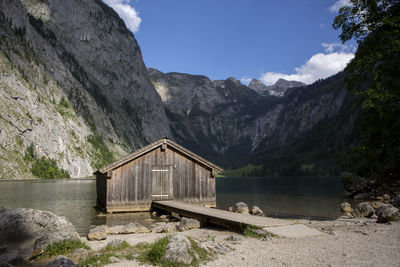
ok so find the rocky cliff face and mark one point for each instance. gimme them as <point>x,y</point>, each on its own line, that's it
<point>278,89</point>
<point>73,84</point>
<point>227,122</point>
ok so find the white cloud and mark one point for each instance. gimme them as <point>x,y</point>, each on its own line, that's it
<point>338,4</point>
<point>330,47</point>
<point>319,66</point>
<point>245,80</point>
<point>126,12</point>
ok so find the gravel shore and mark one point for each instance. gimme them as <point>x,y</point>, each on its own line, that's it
<point>343,242</point>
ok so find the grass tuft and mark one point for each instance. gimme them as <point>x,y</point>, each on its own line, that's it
<point>62,248</point>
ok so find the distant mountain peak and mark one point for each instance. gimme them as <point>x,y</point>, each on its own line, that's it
<point>278,89</point>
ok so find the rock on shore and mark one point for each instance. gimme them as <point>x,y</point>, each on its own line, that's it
<point>41,228</point>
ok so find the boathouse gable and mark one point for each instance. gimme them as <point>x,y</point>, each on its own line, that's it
<point>162,170</point>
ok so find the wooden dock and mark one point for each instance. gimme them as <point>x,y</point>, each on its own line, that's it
<point>235,221</point>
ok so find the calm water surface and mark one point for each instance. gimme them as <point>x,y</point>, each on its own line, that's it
<point>75,199</point>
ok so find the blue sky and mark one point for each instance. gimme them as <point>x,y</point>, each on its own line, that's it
<point>263,39</point>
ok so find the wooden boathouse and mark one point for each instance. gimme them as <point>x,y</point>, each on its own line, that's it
<point>162,170</point>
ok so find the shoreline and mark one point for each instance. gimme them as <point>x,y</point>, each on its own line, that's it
<point>342,242</point>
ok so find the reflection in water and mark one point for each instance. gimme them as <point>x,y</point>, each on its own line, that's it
<point>75,199</point>
<point>302,196</point>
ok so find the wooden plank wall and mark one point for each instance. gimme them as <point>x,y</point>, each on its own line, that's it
<point>129,189</point>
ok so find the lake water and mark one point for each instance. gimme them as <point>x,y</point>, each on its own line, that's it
<point>277,196</point>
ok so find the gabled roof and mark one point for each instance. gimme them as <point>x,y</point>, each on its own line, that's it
<point>154,145</point>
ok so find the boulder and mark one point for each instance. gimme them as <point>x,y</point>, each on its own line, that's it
<point>98,233</point>
<point>187,223</point>
<point>386,213</point>
<point>363,209</point>
<point>255,210</point>
<point>346,207</point>
<point>130,228</point>
<point>376,204</point>
<point>61,261</point>
<point>11,258</point>
<point>230,209</point>
<point>241,207</point>
<point>386,198</point>
<point>167,228</point>
<point>19,226</point>
<point>178,250</point>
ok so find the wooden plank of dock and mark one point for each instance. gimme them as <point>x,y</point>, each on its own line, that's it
<point>217,216</point>
<point>235,221</point>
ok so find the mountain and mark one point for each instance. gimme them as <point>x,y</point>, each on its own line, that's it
<point>76,95</point>
<point>74,87</point>
<point>278,89</point>
<point>232,125</point>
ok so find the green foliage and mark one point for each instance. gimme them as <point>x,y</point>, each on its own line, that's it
<point>102,155</point>
<point>250,231</point>
<point>62,248</point>
<point>248,170</point>
<point>47,169</point>
<point>203,254</point>
<point>363,17</point>
<point>374,76</point>
<point>123,245</point>
<point>44,168</point>
<point>155,252</point>
<point>64,103</point>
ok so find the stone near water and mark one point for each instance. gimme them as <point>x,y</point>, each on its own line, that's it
<point>187,223</point>
<point>21,225</point>
<point>131,228</point>
<point>178,250</point>
<point>386,213</point>
<point>255,210</point>
<point>230,209</point>
<point>363,209</point>
<point>396,201</point>
<point>376,204</point>
<point>97,233</point>
<point>241,207</point>
<point>167,228</point>
<point>346,207</point>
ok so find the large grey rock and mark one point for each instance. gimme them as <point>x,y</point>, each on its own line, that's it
<point>61,261</point>
<point>255,210</point>
<point>167,228</point>
<point>178,250</point>
<point>22,225</point>
<point>188,223</point>
<point>241,207</point>
<point>11,257</point>
<point>130,228</point>
<point>98,233</point>
<point>387,212</point>
<point>364,209</point>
